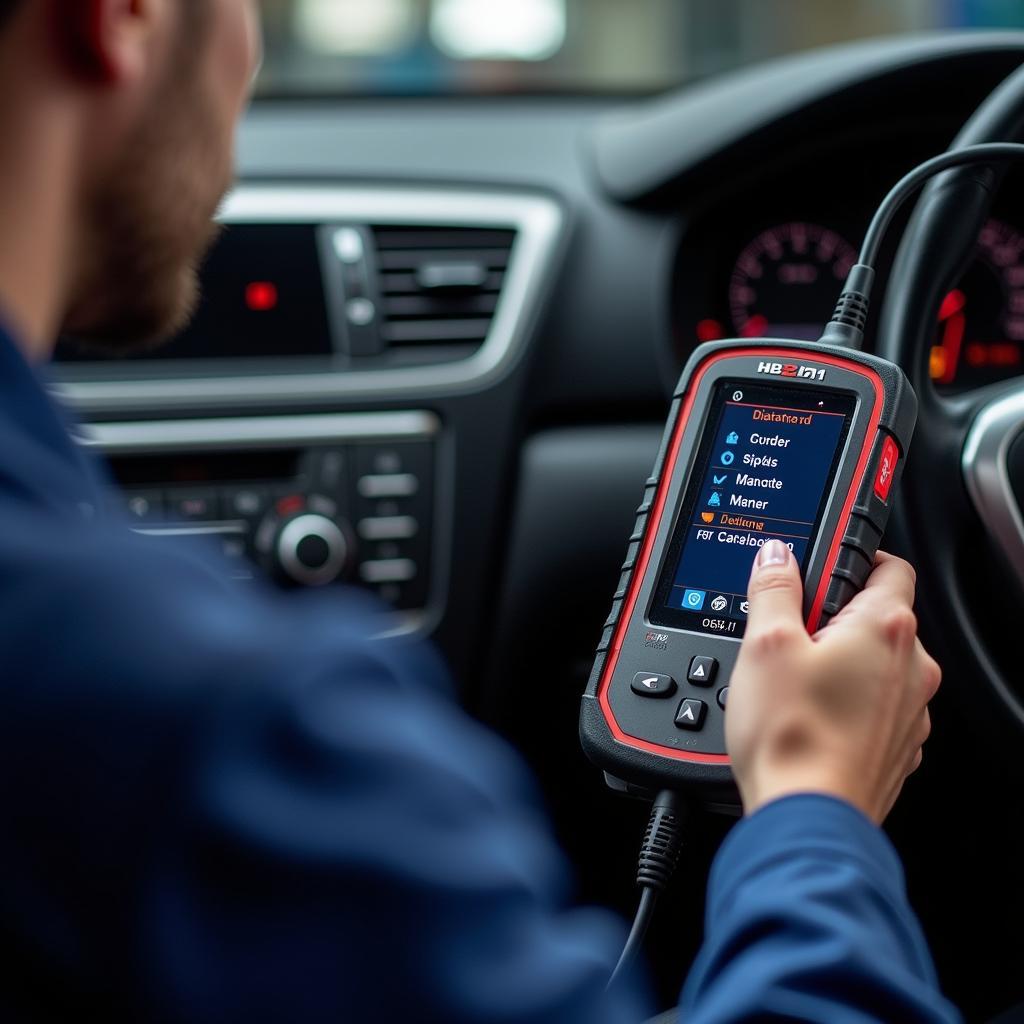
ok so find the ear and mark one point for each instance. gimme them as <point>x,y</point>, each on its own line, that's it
<point>109,41</point>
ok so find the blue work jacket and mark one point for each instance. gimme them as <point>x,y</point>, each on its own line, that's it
<point>220,802</point>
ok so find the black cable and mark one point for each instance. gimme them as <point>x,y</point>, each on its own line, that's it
<point>847,325</point>
<point>986,153</point>
<point>659,855</point>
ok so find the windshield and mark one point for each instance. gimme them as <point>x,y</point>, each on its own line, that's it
<point>438,47</point>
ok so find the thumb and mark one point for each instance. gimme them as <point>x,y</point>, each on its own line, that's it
<point>776,591</point>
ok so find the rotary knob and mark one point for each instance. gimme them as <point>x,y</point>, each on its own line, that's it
<point>311,550</point>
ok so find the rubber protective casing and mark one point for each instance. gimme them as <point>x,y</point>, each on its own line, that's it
<point>634,738</point>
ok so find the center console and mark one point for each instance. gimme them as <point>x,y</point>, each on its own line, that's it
<point>307,500</point>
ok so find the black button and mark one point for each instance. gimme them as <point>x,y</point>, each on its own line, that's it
<point>852,565</point>
<point>691,714</point>
<point>145,506</point>
<point>723,695</point>
<point>702,671</point>
<point>861,532</point>
<point>246,502</point>
<point>193,506</point>
<point>653,684</point>
<point>839,594</point>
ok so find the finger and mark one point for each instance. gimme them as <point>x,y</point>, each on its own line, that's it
<point>893,576</point>
<point>925,727</point>
<point>931,672</point>
<point>887,598</point>
<point>775,593</point>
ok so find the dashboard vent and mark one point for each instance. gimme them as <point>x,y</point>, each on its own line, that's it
<point>439,286</point>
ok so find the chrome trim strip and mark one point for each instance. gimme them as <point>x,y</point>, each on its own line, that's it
<point>988,480</point>
<point>259,432</point>
<point>209,530</point>
<point>538,221</point>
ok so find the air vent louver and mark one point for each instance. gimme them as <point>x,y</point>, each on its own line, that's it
<point>440,286</point>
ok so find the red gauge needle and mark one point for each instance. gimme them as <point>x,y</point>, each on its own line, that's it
<point>954,322</point>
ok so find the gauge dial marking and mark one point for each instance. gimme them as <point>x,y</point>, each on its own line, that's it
<point>784,282</point>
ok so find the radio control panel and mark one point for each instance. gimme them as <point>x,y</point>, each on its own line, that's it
<point>307,501</point>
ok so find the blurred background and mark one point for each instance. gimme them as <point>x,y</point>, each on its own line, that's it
<point>432,47</point>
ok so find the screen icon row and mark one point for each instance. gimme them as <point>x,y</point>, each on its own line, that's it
<point>720,604</point>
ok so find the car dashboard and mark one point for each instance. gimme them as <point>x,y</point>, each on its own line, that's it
<point>438,341</point>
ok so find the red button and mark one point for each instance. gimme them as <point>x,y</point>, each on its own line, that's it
<point>887,468</point>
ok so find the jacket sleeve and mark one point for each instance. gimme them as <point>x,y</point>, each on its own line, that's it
<point>808,920</point>
<point>226,805</point>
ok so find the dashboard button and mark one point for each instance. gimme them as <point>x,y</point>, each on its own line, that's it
<point>145,506</point>
<point>388,528</point>
<point>246,502</point>
<point>653,684</point>
<point>312,550</point>
<point>194,506</point>
<point>391,570</point>
<point>390,485</point>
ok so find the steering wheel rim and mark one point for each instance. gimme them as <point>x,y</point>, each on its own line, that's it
<point>964,438</point>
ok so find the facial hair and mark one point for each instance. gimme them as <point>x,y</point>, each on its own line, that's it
<point>149,224</point>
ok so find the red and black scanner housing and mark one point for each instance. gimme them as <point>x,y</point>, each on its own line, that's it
<point>634,739</point>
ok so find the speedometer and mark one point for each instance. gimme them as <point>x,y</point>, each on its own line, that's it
<point>981,323</point>
<point>786,281</point>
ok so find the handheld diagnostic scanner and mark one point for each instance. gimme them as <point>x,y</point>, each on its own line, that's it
<point>766,440</point>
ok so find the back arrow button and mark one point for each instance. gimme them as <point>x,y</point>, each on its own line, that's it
<point>653,684</point>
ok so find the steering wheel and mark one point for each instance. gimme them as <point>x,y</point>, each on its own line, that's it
<point>959,515</point>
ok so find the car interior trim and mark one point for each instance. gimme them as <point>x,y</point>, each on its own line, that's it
<point>275,432</point>
<point>257,432</point>
<point>537,220</point>
<point>678,132</point>
<point>986,473</point>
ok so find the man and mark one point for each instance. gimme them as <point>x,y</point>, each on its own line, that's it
<point>223,806</point>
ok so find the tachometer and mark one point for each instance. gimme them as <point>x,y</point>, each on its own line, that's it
<point>981,323</point>
<point>786,281</point>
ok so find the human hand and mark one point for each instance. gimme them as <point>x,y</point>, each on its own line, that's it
<point>844,712</point>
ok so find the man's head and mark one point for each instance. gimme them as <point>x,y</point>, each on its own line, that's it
<point>146,94</point>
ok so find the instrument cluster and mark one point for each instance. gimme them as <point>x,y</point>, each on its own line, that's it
<point>781,276</point>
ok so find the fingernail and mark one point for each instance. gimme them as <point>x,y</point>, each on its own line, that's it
<point>772,553</point>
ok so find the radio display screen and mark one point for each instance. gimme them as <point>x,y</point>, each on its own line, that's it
<point>764,471</point>
<point>262,296</point>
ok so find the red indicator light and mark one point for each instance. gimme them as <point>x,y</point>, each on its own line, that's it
<point>755,326</point>
<point>261,296</point>
<point>291,505</point>
<point>993,354</point>
<point>710,330</point>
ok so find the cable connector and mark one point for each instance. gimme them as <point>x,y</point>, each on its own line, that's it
<point>846,328</point>
<point>659,854</point>
<point>662,843</point>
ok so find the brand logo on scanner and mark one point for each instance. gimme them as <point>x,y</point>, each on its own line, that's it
<point>792,370</point>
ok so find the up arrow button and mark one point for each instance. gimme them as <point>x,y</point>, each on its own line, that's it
<point>702,671</point>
